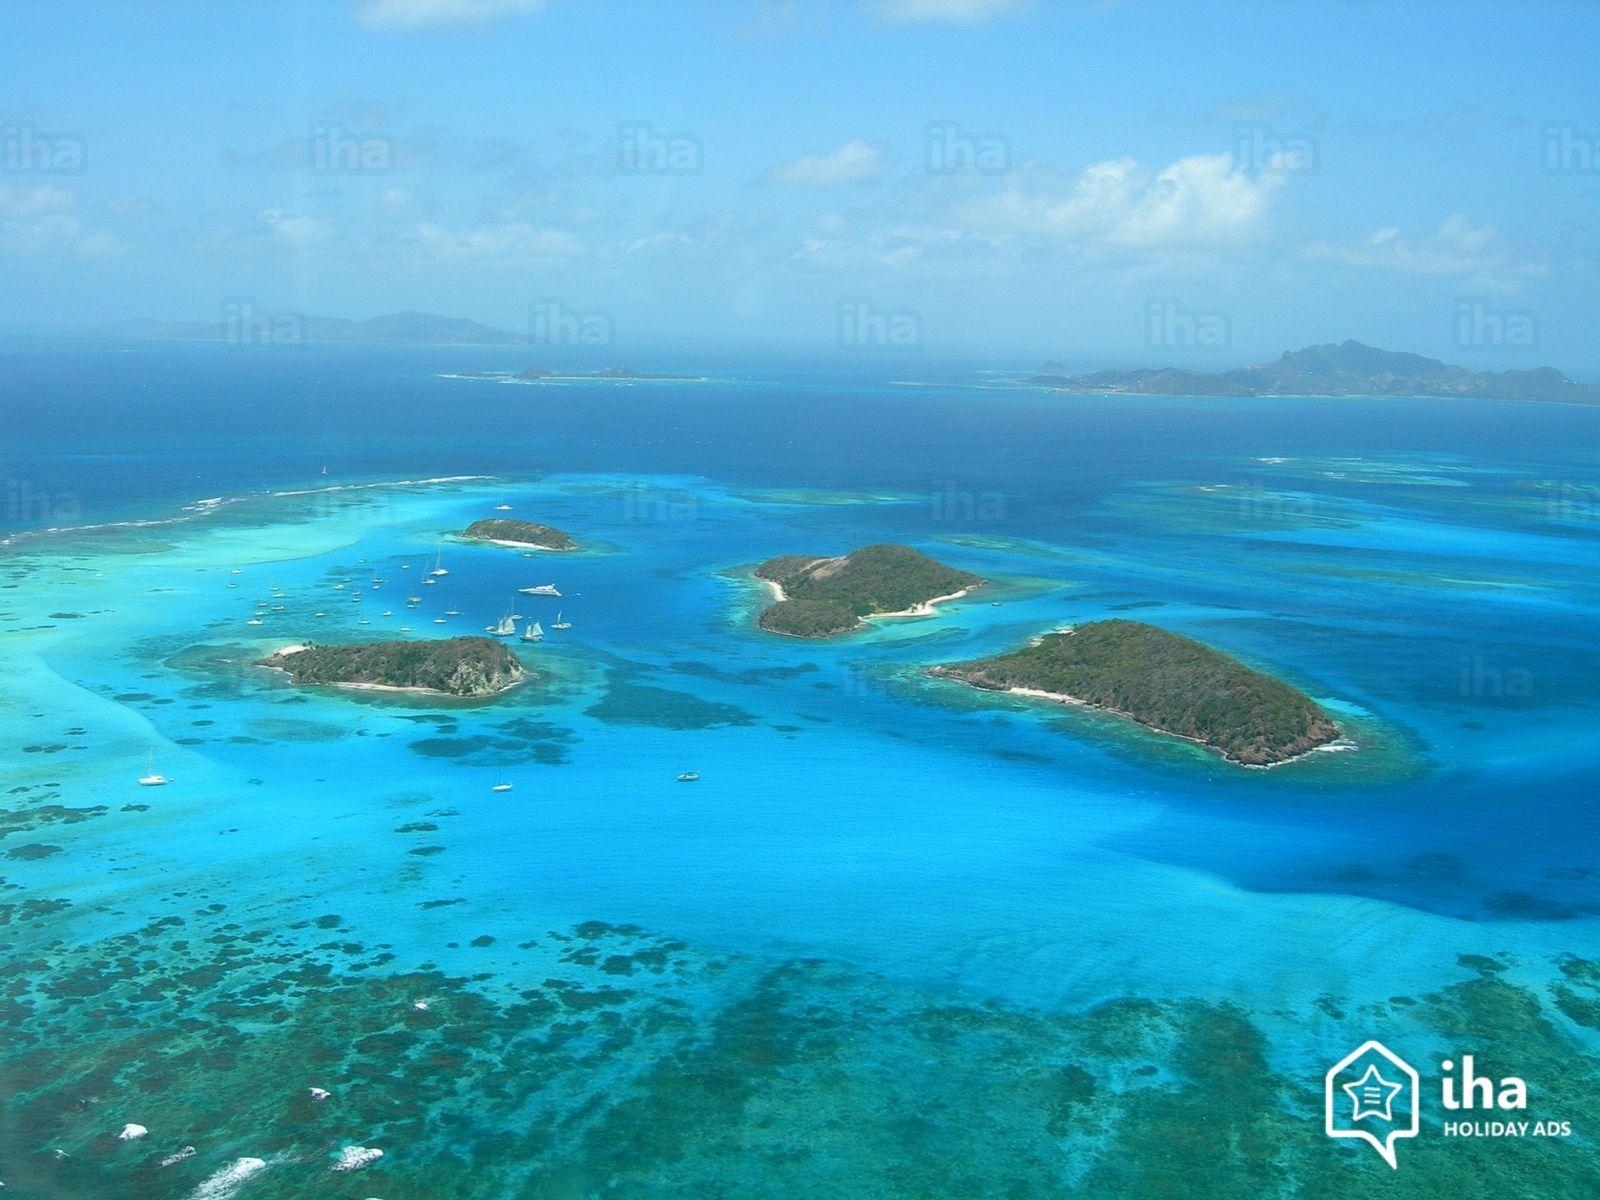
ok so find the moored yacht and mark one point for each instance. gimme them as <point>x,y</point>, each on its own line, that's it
<point>151,778</point>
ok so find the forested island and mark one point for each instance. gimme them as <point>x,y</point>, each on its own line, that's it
<point>1343,369</point>
<point>821,597</point>
<point>463,666</point>
<point>1162,680</point>
<point>523,534</point>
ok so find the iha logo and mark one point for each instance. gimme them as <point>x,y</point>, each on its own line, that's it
<point>1374,1095</point>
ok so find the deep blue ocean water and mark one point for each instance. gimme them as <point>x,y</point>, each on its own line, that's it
<point>1426,568</point>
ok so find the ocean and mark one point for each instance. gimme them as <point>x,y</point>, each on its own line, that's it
<point>900,939</point>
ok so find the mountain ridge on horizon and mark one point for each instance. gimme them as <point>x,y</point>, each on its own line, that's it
<point>1348,368</point>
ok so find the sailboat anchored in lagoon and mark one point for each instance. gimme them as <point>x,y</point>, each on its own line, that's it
<point>151,778</point>
<point>506,626</point>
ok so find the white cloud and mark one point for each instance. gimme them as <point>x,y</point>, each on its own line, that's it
<point>511,244</point>
<point>1198,202</point>
<point>1202,199</point>
<point>396,201</point>
<point>42,220</point>
<point>426,14</point>
<point>130,206</point>
<point>297,230</point>
<point>946,12</point>
<point>850,163</point>
<point>1458,248</point>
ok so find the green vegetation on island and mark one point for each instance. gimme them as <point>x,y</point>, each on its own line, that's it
<point>519,533</point>
<point>1162,680</point>
<point>820,597</point>
<point>463,666</point>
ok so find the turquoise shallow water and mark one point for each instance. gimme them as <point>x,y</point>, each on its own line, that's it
<point>900,939</point>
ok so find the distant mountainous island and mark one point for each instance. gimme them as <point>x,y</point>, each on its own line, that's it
<point>249,328</point>
<point>1344,369</point>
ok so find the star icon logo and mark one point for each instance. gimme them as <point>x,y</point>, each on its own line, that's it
<point>1372,1096</point>
<point>1360,1075</point>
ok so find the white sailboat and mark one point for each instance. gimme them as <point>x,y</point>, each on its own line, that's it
<point>532,632</point>
<point>151,778</point>
<point>558,623</point>
<point>438,566</point>
<point>507,625</point>
<point>501,787</point>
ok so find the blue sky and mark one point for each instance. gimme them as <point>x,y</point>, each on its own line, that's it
<point>981,180</point>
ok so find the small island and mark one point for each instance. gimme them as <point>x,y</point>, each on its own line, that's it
<point>1164,681</point>
<point>463,666</point>
<point>538,374</point>
<point>524,535</point>
<point>822,597</point>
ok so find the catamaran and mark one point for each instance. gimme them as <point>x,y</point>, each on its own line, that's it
<point>151,779</point>
<point>543,589</point>
<point>558,623</point>
<point>438,566</point>
<point>532,632</point>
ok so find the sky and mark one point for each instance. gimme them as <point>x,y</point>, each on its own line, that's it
<point>986,181</point>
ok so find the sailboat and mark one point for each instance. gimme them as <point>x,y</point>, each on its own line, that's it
<point>151,779</point>
<point>501,787</point>
<point>507,625</point>
<point>558,623</point>
<point>532,632</point>
<point>438,566</point>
